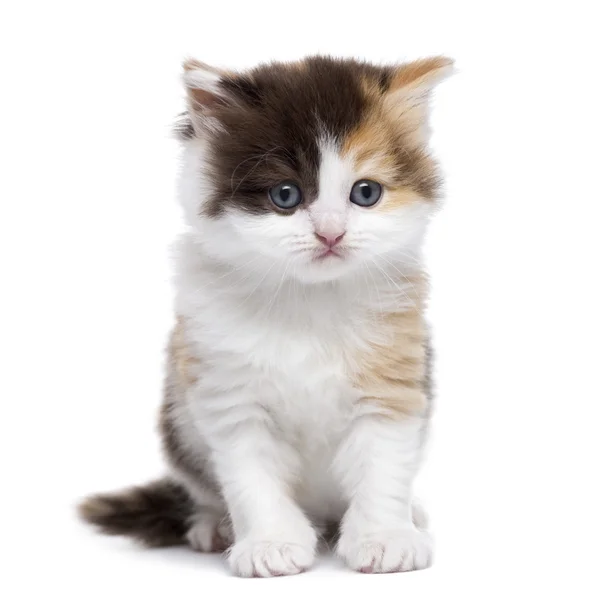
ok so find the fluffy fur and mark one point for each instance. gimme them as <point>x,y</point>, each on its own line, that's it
<point>298,385</point>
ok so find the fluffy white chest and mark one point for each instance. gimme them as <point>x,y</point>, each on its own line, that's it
<point>285,355</point>
<point>293,363</point>
<point>312,402</point>
<point>296,366</point>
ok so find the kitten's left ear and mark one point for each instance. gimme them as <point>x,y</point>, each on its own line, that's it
<point>411,85</point>
<point>205,93</point>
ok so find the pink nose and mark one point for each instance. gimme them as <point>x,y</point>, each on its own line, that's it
<point>329,239</point>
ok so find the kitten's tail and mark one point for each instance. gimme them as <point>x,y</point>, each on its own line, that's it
<point>155,514</point>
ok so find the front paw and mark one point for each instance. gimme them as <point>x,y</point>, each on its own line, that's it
<point>259,558</point>
<point>387,552</point>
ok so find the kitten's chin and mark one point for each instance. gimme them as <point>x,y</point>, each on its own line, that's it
<point>323,270</point>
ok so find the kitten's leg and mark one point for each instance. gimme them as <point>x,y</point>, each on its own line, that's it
<point>255,469</point>
<point>210,531</point>
<point>377,465</point>
<point>209,528</point>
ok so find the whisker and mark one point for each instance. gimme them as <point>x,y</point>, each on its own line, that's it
<point>233,271</point>
<point>258,284</point>
<point>399,288</point>
<point>402,275</point>
<point>275,295</point>
<point>364,271</point>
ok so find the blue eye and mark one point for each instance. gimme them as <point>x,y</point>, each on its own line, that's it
<point>366,192</point>
<point>286,195</point>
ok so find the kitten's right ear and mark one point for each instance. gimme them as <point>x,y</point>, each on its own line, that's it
<point>204,93</point>
<point>411,85</point>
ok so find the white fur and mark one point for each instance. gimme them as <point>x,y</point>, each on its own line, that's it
<point>328,213</point>
<point>377,464</point>
<point>276,333</point>
<point>202,79</point>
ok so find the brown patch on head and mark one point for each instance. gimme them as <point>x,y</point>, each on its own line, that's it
<point>272,129</point>
<point>391,373</point>
<point>269,122</point>
<point>265,126</point>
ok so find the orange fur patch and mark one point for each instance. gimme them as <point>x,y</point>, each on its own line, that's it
<point>370,147</point>
<point>387,151</point>
<point>390,144</point>
<point>393,199</point>
<point>391,372</point>
<point>420,72</point>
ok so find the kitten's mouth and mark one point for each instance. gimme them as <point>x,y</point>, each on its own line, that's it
<point>326,255</point>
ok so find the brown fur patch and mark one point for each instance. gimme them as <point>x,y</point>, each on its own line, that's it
<point>392,371</point>
<point>270,121</point>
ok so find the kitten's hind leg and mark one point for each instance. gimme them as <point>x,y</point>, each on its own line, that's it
<point>222,445</point>
<point>209,531</point>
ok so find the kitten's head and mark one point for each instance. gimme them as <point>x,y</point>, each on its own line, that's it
<point>316,169</point>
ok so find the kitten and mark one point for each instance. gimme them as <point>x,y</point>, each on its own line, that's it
<point>297,391</point>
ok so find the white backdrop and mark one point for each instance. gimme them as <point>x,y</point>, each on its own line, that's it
<point>89,91</point>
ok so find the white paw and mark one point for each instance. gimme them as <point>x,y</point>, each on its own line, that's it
<point>388,552</point>
<point>270,558</point>
<point>209,532</point>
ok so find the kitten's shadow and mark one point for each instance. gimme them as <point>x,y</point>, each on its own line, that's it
<point>185,557</point>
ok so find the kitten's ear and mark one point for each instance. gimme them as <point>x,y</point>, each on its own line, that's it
<point>204,93</point>
<point>408,97</point>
